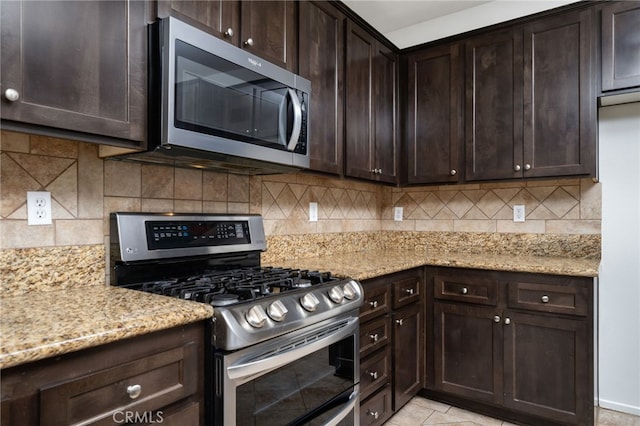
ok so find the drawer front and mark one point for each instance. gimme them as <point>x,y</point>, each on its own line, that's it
<point>570,297</point>
<point>374,335</point>
<point>407,290</point>
<point>377,409</point>
<point>142,385</point>
<point>470,287</point>
<point>377,300</point>
<point>374,372</point>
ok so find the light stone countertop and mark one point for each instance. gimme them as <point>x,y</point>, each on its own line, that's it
<point>373,263</point>
<point>39,325</point>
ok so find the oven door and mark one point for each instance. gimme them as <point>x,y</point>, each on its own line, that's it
<point>308,377</point>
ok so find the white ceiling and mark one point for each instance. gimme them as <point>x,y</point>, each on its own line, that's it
<point>411,22</point>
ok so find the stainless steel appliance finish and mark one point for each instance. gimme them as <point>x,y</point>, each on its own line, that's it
<point>213,105</point>
<point>280,338</point>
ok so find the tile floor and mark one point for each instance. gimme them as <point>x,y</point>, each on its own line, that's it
<point>421,411</point>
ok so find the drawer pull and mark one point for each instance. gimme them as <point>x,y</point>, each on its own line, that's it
<point>507,321</point>
<point>374,414</point>
<point>373,304</point>
<point>409,291</point>
<point>399,321</point>
<point>374,337</point>
<point>464,290</point>
<point>374,375</point>
<point>496,318</point>
<point>134,391</point>
<point>544,299</point>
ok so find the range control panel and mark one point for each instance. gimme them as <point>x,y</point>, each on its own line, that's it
<point>181,234</point>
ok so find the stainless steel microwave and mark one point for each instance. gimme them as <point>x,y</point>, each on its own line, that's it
<point>214,105</point>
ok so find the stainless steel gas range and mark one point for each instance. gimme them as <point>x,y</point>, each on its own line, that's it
<point>283,342</point>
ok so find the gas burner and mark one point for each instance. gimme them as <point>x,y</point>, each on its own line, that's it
<point>217,300</point>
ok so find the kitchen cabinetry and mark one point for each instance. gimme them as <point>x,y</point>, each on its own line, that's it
<point>530,111</point>
<point>522,343</point>
<point>243,23</point>
<point>157,377</point>
<point>371,105</point>
<point>391,344</point>
<point>434,115</point>
<point>620,45</point>
<point>75,66</point>
<point>322,62</point>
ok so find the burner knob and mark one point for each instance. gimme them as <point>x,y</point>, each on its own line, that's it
<point>336,294</point>
<point>350,290</point>
<point>277,311</point>
<point>256,317</point>
<point>309,302</point>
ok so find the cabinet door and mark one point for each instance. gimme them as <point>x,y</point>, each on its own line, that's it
<point>268,29</point>
<point>408,340</point>
<point>493,106</point>
<point>359,102</point>
<point>385,83</point>
<point>620,45</point>
<point>434,115</point>
<point>468,351</point>
<point>559,96</point>
<point>219,17</point>
<point>322,62</point>
<point>547,367</point>
<point>78,66</point>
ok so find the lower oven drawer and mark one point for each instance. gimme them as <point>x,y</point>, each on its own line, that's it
<point>374,372</point>
<point>377,409</point>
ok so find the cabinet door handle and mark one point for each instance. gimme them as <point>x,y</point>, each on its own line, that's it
<point>464,290</point>
<point>507,321</point>
<point>374,414</point>
<point>229,32</point>
<point>373,304</point>
<point>409,291</point>
<point>374,337</point>
<point>249,42</point>
<point>517,167</point>
<point>527,166</point>
<point>453,172</point>
<point>496,318</point>
<point>134,391</point>
<point>11,95</point>
<point>544,299</point>
<point>374,375</point>
<point>399,321</point>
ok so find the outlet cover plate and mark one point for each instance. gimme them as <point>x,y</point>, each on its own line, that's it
<point>518,213</point>
<point>38,208</point>
<point>397,214</point>
<point>313,212</point>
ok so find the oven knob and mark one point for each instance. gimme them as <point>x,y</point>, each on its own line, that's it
<point>336,294</point>
<point>256,317</point>
<point>350,290</point>
<point>277,311</point>
<point>309,302</point>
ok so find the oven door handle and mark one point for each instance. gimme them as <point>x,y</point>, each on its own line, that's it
<point>354,401</point>
<point>276,360</point>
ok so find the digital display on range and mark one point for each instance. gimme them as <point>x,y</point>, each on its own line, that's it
<point>181,234</point>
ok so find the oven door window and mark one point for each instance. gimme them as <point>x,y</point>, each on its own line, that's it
<point>217,97</point>
<point>309,390</point>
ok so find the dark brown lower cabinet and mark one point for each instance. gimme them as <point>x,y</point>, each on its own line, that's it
<point>525,355</point>
<point>155,378</point>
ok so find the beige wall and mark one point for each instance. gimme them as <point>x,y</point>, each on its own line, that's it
<point>85,189</point>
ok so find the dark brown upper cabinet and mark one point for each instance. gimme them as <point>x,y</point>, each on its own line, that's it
<point>267,29</point>
<point>76,66</point>
<point>530,100</point>
<point>321,59</point>
<point>371,107</point>
<point>620,45</point>
<point>434,115</point>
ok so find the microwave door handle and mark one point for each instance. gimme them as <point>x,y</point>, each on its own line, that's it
<point>297,120</point>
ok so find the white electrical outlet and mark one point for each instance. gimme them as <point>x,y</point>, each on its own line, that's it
<point>38,208</point>
<point>397,214</point>
<point>313,212</point>
<point>518,213</point>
